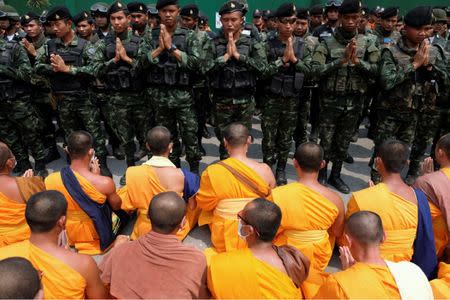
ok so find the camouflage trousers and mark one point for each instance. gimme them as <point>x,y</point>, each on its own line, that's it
<point>173,108</point>
<point>304,106</point>
<point>337,125</point>
<point>427,127</point>
<point>127,115</point>
<point>394,125</point>
<point>20,124</point>
<point>202,105</point>
<point>77,112</point>
<point>45,112</point>
<point>279,117</point>
<point>229,110</point>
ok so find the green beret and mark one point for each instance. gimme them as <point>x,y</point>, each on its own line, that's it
<point>350,7</point>
<point>419,16</point>
<point>389,12</point>
<point>231,6</point>
<point>163,3</point>
<point>137,7</point>
<point>116,7</point>
<point>28,17</point>
<point>189,10</point>
<point>286,9</point>
<point>58,13</point>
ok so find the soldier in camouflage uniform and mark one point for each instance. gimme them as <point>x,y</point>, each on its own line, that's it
<point>115,61</point>
<point>287,57</point>
<point>139,18</point>
<point>343,61</point>
<point>8,23</point>
<point>233,61</point>
<point>99,11</point>
<point>170,55</point>
<point>19,123</point>
<point>64,61</point>
<point>410,72</point>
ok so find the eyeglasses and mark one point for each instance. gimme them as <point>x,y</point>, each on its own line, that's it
<point>247,223</point>
<point>286,21</point>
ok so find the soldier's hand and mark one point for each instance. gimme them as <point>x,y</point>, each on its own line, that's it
<point>58,64</point>
<point>421,55</point>
<point>347,54</point>
<point>233,47</point>
<point>117,56</point>
<point>167,38</point>
<point>29,47</point>
<point>122,52</point>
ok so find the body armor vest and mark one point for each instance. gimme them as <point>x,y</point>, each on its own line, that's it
<point>11,88</point>
<point>167,71</point>
<point>235,79</point>
<point>288,82</point>
<point>120,76</point>
<point>62,82</point>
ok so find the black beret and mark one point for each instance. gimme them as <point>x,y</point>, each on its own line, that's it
<point>303,13</point>
<point>231,6</point>
<point>116,7</point>
<point>189,10</point>
<point>447,10</point>
<point>202,19</point>
<point>268,14</point>
<point>257,13</point>
<point>28,17</point>
<point>137,7</point>
<point>389,12</point>
<point>163,3</point>
<point>286,9</point>
<point>82,16</point>
<point>316,10</point>
<point>365,11</point>
<point>350,7</point>
<point>58,13</point>
<point>419,16</point>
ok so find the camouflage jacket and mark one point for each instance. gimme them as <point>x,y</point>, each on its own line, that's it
<point>21,67</point>
<point>386,38</point>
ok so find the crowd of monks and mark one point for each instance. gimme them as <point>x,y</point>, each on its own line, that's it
<point>267,241</point>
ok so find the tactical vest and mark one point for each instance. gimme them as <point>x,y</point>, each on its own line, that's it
<point>68,83</point>
<point>235,79</point>
<point>121,76</point>
<point>167,71</point>
<point>346,79</point>
<point>287,82</point>
<point>11,88</point>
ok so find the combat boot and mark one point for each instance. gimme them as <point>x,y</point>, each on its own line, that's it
<point>349,159</point>
<point>194,167</point>
<point>118,153</point>
<point>280,174</point>
<point>40,169</point>
<point>323,175</point>
<point>314,136</point>
<point>21,167</point>
<point>52,154</point>
<point>104,170</point>
<point>335,178</point>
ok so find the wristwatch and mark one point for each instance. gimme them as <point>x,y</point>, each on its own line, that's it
<point>172,48</point>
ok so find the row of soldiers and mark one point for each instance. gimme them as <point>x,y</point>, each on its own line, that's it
<point>164,70</point>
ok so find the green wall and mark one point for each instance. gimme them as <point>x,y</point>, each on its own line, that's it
<point>211,6</point>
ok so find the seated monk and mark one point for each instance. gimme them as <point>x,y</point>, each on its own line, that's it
<point>313,215</point>
<point>20,280</point>
<point>263,270</point>
<point>399,205</point>
<point>436,185</point>
<point>65,274</point>
<point>366,275</point>
<point>14,193</point>
<point>227,186</point>
<point>157,265</point>
<point>155,176</point>
<point>441,285</point>
<point>86,191</point>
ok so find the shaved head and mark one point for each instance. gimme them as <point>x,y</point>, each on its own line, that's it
<point>309,156</point>
<point>236,134</point>
<point>394,155</point>
<point>365,227</point>
<point>444,144</point>
<point>19,279</point>
<point>5,154</point>
<point>79,143</point>
<point>166,211</point>
<point>44,209</point>
<point>158,140</point>
<point>264,216</point>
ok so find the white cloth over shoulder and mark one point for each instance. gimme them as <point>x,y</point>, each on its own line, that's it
<point>159,161</point>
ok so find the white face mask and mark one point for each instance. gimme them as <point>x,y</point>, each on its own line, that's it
<point>240,234</point>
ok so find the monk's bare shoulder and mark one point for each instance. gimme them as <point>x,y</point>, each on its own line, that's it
<point>332,196</point>
<point>83,264</point>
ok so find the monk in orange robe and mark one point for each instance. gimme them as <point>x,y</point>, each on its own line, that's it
<point>263,270</point>
<point>14,192</point>
<point>441,285</point>
<point>313,215</point>
<point>81,231</point>
<point>155,176</point>
<point>366,275</point>
<point>396,204</point>
<point>226,187</point>
<point>65,274</point>
<point>20,280</point>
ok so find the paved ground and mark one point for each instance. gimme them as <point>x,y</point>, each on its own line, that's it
<point>355,175</point>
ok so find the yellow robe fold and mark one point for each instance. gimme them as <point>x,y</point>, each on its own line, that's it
<point>80,228</point>
<point>361,281</point>
<point>13,226</point>
<point>221,197</point>
<point>307,217</point>
<point>142,185</point>
<point>60,281</point>
<point>239,275</point>
<point>441,285</point>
